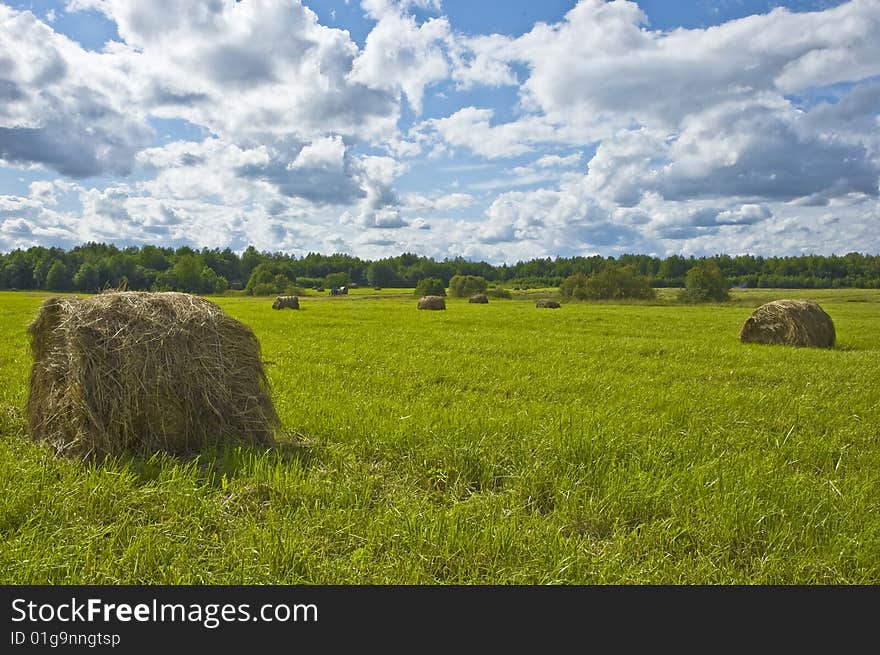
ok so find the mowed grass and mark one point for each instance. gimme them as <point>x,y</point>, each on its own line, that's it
<point>487,444</point>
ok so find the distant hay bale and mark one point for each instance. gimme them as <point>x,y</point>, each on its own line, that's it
<point>432,302</point>
<point>791,323</point>
<point>480,299</point>
<point>286,302</point>
<point>546,303</point>
<point>137,372</point>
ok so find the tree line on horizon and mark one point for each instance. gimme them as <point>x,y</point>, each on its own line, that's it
<point>94,266</point>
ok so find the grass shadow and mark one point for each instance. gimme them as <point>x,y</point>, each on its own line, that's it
<point>213,465</point>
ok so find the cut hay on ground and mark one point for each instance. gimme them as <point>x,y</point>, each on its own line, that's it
<point>137,372</point>
<point>545,303</point>
<point>432,302</point>
<point>791,323</point>
<point>286,302</point>
<point>480,299</point>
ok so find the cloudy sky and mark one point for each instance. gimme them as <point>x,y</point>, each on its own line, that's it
<point>497,130</point>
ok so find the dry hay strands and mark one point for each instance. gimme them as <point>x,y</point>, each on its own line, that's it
<point>432,302</point>
<point>791,323</point>
<point>480,299</point>
<point>286,302</point>
<point>546,303</point>
<point>137,372</point>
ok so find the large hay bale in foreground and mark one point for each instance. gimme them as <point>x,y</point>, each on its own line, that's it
<point>286,302</point>
<point>480,299</point>
<point>141,372</point>
<point>432,302</point>
<point>791,323</point>
<point>546,303</point>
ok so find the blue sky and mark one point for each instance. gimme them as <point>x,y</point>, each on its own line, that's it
<point>493,130</point>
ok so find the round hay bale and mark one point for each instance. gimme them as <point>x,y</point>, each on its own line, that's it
<point>137,372</point>
<point>286,302</point>
<point>432,302</point>
<point>480,299</point>
<point>791,323</point>
<point>546,303</point>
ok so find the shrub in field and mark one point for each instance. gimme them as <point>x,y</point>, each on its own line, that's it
<point>790,323</point>
<point>705,283</point>
<point>310,282</point>
<point>611,283</point>
<point>499,292</point>
<point>271,279</point>
<point>189,274</point>
<point>337,280</point>
<point>143,372</point>
<point>271,288</point>
<point>463,286</point>
<point>574,286</point>
<point>430,286</point>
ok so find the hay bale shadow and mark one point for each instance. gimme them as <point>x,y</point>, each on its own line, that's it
<point>230,461</point>
<point>217,463</point>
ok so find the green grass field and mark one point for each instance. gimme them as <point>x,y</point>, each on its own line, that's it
<point>487,444</point>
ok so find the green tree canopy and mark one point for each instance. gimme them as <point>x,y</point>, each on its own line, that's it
<point>464,286</point>
<point>430,286</point>
<point>611,283</point>
<point>705,283</point>
<point>151,267</point>
<point>58,277</point>
<point>271,278</point>
<point>381,274</point>
<point>87,278</point>
<point>338,279</point>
